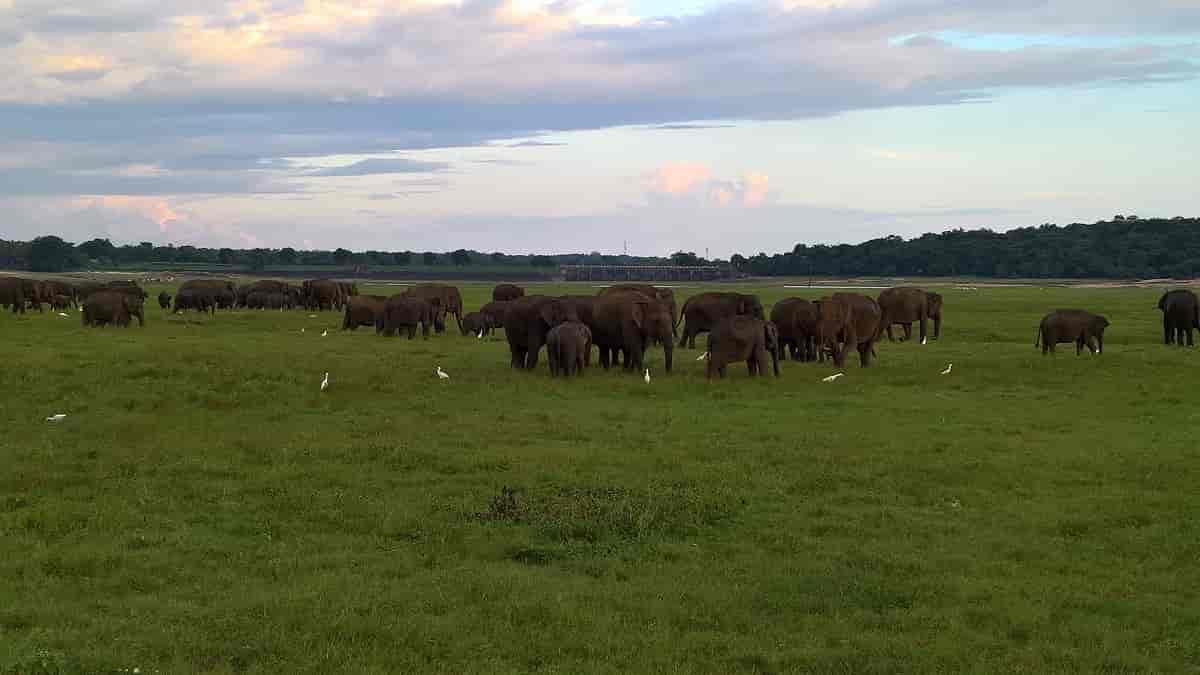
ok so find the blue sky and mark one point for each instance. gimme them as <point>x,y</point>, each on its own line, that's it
<point>523,126</point>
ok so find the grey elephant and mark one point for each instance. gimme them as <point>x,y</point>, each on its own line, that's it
<point>477,324</point>
<point>743,338</point>
<point>1181,315</point>
<point>526,323</point>
<point>569,348</point>
<point>796,320</point>
<point>660,293</point>
<point>363,310</point>
<point>112,307</point>
<point>507,292</point>
<point>404,313</point>
<point>906,305</point>
<point>1064,326</point>
<point>701,312</point>
<point>628,324</point>
<point>848,321</point>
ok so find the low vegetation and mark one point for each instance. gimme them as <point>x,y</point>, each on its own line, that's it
<point>204,507</point>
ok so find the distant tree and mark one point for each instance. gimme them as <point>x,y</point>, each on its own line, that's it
<point>498,258</point>
<point>226,256</point>
<point>541,261</point>
<point>402,258</point>
<point>259,258</point>
<point>287,255</point>
<point>98,249</point>
<point>429,258</point>
<point>50,254</point>
<point>342,256</point>
<point>685,259</point>
<point>738,260</point>
<point>460,257</point>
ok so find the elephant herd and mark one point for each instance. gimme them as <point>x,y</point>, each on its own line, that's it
<point>622,322</point>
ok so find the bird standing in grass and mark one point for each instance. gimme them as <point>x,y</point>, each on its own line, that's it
<point>56,418</point>
<point>702,356</point>
<point>325,382</point>
<point>948,369</point>
<point>442,375</point>
<point>831,378</point>
<point>63,314</point>
<point>646,379</point>
<point>324,333</point>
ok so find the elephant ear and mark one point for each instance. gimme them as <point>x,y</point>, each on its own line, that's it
<point>638,314</point>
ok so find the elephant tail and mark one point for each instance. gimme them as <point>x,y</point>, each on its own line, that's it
<point>1037,341</point>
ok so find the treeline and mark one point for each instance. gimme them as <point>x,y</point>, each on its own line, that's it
<point>53,254</point>
<point>1125,247</point>
<point>1120,248</point>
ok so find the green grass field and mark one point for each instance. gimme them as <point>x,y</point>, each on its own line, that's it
<point>204,508</point>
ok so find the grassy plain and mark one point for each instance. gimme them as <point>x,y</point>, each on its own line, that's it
<point>204,508</point>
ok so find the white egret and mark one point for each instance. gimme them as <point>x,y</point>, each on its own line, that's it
<point>646,378</point>
<point>325,382</point>
<point>948,369</point>
<point>831,378</point>
<point>442,375</point>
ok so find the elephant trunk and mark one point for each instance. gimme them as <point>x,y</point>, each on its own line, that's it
<point>937,326</point>
<point>668,352</point>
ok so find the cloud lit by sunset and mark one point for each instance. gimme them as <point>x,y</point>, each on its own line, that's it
<point>282,120</point>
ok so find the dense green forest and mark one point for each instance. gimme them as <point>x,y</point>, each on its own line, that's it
<point>1120,248</point>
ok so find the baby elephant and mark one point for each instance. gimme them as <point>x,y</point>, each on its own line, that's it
<point>60,302</point>
<point>569,348</point>
<point>164,300</point>
<point>477,324</point>
<point>1072,325</point>
<point>743,338</point>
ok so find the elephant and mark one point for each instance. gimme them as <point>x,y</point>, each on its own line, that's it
<point>495,311</point>
<point>105,307</point>
<point>320,294</point>
<point>52,288</point>
<point>199,299</point>
<point>506,292</point>
<point>743,338</point>
<point>660,293</point>
<point>796,321</point>
<point>129,288</point>
<point>569,348</point>
<point>628,323</point>
<point>60,302</point>
<point>904,304</point>
<point>848,321</point>
<point>349,289</point>
<point>477,324</point>
<point>403,312</point>
<point>1181,315</point>
<point>164,300</point>
<point>701,312</point>
<point>583,306</point>
<point>18,292</point>
<point>1072,325</point>
<point>526,323</point>
<point>449,302</point>
<point>363,310</point>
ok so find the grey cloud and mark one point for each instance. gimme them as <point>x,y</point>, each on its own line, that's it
<point>377,166</point>
<point>80,75</point>
<point>534,144</point>
<point>18,182</point>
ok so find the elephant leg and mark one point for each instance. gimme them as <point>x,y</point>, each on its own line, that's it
<point>923,335</point>
<point>1189,335</point>
<point>908,331</point>
<point>864,354</point>
<point>1168,331</point>
<point>531,357</point>
<point>891,337</point>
